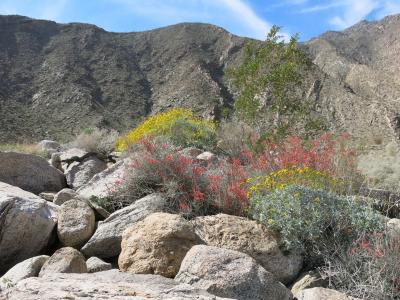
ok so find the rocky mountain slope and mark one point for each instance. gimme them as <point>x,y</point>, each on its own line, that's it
<point>59,78</point>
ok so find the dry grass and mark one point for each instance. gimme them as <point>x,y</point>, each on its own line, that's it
<point>33,149</point>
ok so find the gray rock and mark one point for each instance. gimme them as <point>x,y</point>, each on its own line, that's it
<point>95,264</point>
<point>72,153</point>
<point>64,260</point>
<point>25,269</point>
<point>78,174</point>
<point>319,293</point>
<point>107,285</point>
<point>101,183</point>
<point>64,195</point>
<point>26,225</point>
<point>308,280</point>
<point>76,223</point>
<point>47,196</point>
<point>228,273</point>
<point>29,172</point>
<point>252,238</point>
<point>106,241</point>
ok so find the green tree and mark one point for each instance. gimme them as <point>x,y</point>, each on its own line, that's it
<point>271,71</point>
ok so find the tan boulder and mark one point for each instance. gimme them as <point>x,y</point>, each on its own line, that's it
<point>157,245</point>
<point>76,223</point>
<point>252,238</point>
<point>64,260</point>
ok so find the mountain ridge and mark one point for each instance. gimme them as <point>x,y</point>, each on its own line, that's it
<point>60,78</point>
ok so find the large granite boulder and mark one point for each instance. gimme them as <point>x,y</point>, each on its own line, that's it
<point>252,238</point>
<point>76,223</point>
<point>80,173</point>
<point>101,183</point>
<point>26,225</point>
<point>108,285</point>
<point>28,268</point>
<point>228,273</point>
<point>64,260</point>
<point>157,245</point>
<point>106,241</point>
<point>31,173</point>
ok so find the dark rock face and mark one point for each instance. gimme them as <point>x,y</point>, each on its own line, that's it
<point>59,78</point>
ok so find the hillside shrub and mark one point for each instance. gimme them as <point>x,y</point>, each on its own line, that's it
<point>178,124</point>
<point>368,269</point>
<point>96,140</point>
<point>190,186</point>
<point>306,218</point>
<point>382,167</point>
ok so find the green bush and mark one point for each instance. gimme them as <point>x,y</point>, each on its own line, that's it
<point>307,219</point>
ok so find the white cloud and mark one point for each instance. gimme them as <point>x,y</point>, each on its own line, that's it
<point>245,14</point>
<point>321,7</point>
<point>354,11</point>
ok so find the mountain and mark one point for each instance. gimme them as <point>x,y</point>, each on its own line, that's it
<point>57,79</point>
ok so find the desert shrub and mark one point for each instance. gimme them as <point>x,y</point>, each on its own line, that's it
<point>382,167</point>
<point>235,138</point>
<point>369,268</point>
<point>304,176</point>
<point>326,156</point>
<point>306,218</point>
<point>101,141</point>
<point>178,124</point>
<point>190,186</point>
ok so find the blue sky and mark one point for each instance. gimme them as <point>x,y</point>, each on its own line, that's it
<point>251,18</point>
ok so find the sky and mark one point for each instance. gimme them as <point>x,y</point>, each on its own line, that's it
<point>251,18</point>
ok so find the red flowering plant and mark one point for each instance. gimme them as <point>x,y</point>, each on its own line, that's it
<point>368,269</point>
<point>190,186</point>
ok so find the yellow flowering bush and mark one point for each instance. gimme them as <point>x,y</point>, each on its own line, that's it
<point>177,124</point>
<point>280,179</point>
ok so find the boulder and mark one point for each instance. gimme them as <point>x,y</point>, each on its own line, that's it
<point>252,238</point>
<point>95,264</point>
<point>191,152</point>
<point>78,174</point>
<point>64,195</point>
<point>107,285</point>
<point>64,260</point>
<point>207,157</point>
<point>31,173</point>
<point>49,146</point>
<point>157,245</point>
<point>76,223</point>
<point>308,280</point>
<point>72,154</point>
<point>47,196</point>
<point>101,184</point>
<point>26,225</point>
<point>229,273</point>
<point>319,293</point>
<point>28,268</point>
<point>106,241</point>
